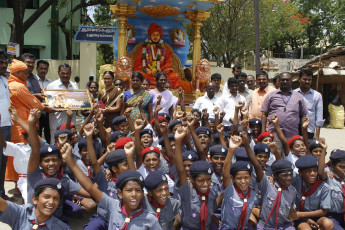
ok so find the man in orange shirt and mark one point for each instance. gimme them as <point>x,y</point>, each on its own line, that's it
<point>259,95</point>
<point>23,101</point>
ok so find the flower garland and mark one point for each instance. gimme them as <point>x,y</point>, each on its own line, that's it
<point>150,59</point>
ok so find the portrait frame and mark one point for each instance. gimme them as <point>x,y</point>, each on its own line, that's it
<point>65,99</point>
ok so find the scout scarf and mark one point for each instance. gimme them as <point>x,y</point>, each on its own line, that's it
<point>243,217</point>
<point>310,192</point>
<point>36,226</point>
<point>158,208</point>
<point>276,205</point>
<point>203,209</point>
<point>129,218</point>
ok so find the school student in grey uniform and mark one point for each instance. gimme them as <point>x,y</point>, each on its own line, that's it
<point>46,162</point>
<point>238,197</point>
<point>128,211</point>
<point>198,201</point>
<point>118,162</point>
<point>336,185</point>
<point>217,155</point>
<point>313,196</point>
<point>165,207</point>
<point>48,193</point>
<point>278,199</point>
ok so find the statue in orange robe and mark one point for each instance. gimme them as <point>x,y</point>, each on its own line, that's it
<point>154,57</point>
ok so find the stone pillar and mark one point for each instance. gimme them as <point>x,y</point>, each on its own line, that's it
<point>197,17</point>
<point>122,12</point>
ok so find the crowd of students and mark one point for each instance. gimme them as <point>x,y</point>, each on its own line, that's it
<point>159,168</point>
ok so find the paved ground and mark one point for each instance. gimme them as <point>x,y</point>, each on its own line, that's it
<point>334,138</point>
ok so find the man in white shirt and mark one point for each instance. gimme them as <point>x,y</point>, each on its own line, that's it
<point>208,101</point>
<point>42,68</point>
<point>6,121</point>
<point>58,118</point>
<point>227,102</point>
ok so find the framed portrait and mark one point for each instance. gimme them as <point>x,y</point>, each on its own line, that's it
<point>64,99</point>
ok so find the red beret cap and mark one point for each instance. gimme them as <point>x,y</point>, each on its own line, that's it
<point>265,134</point>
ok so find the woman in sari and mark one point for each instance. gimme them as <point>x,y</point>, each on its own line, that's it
<point>133,96</point>
<point>110,99</point>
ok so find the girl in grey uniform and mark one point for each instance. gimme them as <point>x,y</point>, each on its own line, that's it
<point>165,207</point>
<point>313,196</point>
<point>127,212</point>
<point>198,201</point>
<point>48,194</point>
<point>238,197</point>
<point>278,199</point>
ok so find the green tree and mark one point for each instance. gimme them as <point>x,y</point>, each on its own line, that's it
<point>61,23</point>
<point>228,35</point>
<point>327,24</point>
<point>105,53</point>
<point>281,25</point>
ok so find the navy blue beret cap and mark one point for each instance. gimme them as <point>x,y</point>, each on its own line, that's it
<point>82,144</point>
<point>211,120</point>
<point>51,182</point>
<point>337,155</point>
<point>117,155</point>
<point>173,124</point>
<point>241,154</point>
<point>261,148</point>
<point>216,136</point>
<point>240,166</point>
<point>228,128</point>
<point>218,150</point>
<point>155,179</point>
<point>165,115</point>
<point>255,121</point>
<point>118,120</point>
<point>49,150</point>
<point>171,137</point>
<point>146,131</point>
<point>114,136</point>
<point>313,145</point>
<point>203,130</point>
<point>190,155</point>
<point>129,175</point>
<point>62,131</point>
<point>306,161</point>
<point>201,167</point>
<point>281,165</point>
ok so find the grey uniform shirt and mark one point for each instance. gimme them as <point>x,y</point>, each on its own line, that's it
<point>268,195</point>
<point>20,218</point>
<point>167,214</point>
<point>216,183</point>
<point>336,195</point>
<point>232,206</point>
<point>191,204</point>
<point>108,187</point>
<point>146,220</point>
<point>320,199</point>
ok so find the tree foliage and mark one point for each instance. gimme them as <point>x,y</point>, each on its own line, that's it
<point>327,24</point>
<point>228,35</point>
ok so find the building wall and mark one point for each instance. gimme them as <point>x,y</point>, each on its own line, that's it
<point>39,34</point>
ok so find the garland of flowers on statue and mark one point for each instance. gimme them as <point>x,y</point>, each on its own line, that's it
<point>150,59</point>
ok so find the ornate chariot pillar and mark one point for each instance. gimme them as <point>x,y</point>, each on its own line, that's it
<point>197,17</point>
<point>122,12</point>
